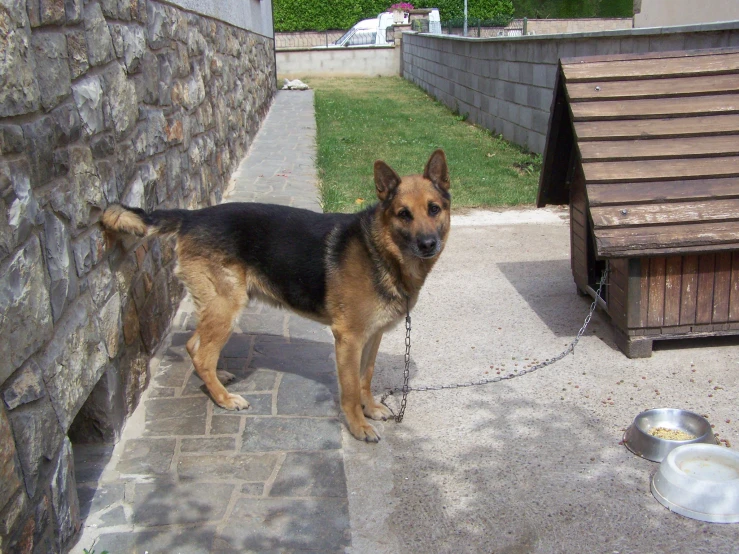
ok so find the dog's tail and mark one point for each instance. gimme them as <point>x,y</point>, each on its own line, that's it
<point>136,221</point>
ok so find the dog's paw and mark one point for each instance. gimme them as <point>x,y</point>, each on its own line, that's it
<point>364,432</point>
<point>234,402</point>
<point>377,411</point>
<point>225,377</point>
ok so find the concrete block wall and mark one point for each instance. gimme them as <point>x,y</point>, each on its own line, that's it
<point>368,61</point>
<point>506,84</point>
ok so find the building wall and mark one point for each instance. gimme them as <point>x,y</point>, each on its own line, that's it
<point>661,13</point>
<point>589,25</point>
<point>251,15</point>
<point>506,84</point>
<point>105,101</point>
<point>355,62</point>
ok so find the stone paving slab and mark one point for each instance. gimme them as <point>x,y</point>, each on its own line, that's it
<point>190,477</point>
<point>285,524</point>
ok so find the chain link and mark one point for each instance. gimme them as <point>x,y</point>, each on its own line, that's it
<point>406,388</point>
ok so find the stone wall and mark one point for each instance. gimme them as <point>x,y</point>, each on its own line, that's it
<point>100,101</point>
<point>506,84</point>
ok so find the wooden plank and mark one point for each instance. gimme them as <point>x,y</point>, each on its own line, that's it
<point>613,172</point>
<point>579,235</point>
<point>636,309</point>
<point>640,149</point>
<point>618,279</point>
<point>618,298</point>
<point>722,288</point>
<point>734,295</point>
<point>666,239</point>
<point>704,297</point>
<point>673,251</point>
<point>577,215</point>
<point>662,191</point>
<point>644,69</point>
<point>657,128</point>
<point>579,238</point>
<point>655,107</point>
<point>665,214</point>
<point>697,331</point>
<point>644,293</point>
<point>688,290</point>
<point>617,289</point>
<point>570,60</point>
<point>579,250</point>
<point>652,88</point>
<point>616,309</point>
<point>580,262</point>
<point>673,265</point>
<point>577,189</point>
<point>656,311</point>
<point>620,265</point>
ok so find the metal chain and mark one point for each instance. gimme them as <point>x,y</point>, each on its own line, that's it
<point>405,389</point>
<point>407,371</point>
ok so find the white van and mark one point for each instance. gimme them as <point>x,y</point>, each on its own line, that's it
<point>373,32</point>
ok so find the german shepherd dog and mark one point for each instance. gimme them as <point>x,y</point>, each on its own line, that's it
<point>358,273</point>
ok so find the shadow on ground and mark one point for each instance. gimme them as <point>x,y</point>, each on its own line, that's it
<point>535,478</point>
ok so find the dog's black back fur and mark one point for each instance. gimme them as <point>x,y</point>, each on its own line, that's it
<point>288,246</point>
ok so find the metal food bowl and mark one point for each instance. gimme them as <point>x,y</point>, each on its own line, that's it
<point>639,440</point>
<point>700,481</point>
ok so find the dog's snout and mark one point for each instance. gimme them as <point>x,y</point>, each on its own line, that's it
<point>428,245</point>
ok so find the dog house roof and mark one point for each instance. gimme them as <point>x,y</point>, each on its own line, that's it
<point>656,139</point>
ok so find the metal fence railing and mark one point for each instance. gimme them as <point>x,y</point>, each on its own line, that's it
<point>334,39</point>
<point>306,39</point>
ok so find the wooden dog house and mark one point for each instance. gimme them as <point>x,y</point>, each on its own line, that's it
<point>645,150</point>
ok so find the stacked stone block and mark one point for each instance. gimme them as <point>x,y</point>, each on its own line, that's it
<point>507,84</point>
<point>103,101</point>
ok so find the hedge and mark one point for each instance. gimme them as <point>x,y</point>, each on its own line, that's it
<point>565,9</point>
<point>476,9</point>
<point>317,15</point>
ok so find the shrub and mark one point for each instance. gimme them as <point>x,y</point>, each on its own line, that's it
<point>499,10</point>
<point>318,15</point>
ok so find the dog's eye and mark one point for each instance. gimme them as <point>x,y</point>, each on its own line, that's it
<point>405,214</point>
<point>434,209</point>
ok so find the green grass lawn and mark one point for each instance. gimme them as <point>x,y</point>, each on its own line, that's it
<point>388,118</point>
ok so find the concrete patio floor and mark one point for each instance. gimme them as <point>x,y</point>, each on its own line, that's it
<point>533,464</point>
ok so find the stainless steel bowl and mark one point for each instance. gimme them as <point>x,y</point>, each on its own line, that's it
<point>639,440</point>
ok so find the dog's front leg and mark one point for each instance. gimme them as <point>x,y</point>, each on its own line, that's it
<point>372,408</point>
<point>349,347</point>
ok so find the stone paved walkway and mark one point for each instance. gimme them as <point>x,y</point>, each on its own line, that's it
<point>190,477</point>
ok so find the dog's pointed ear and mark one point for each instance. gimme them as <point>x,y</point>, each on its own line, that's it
<point>386,180</point>
<point>437,171</point>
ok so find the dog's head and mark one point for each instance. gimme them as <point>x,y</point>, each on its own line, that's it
<point>416,208</point>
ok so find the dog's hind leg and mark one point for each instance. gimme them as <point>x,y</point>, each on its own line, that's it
<point>349,347</point>
<point>193,342</point>
<point>219,295</point>
<point>372,409</point>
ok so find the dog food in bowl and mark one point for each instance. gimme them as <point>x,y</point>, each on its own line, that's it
<point>671,434</point>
